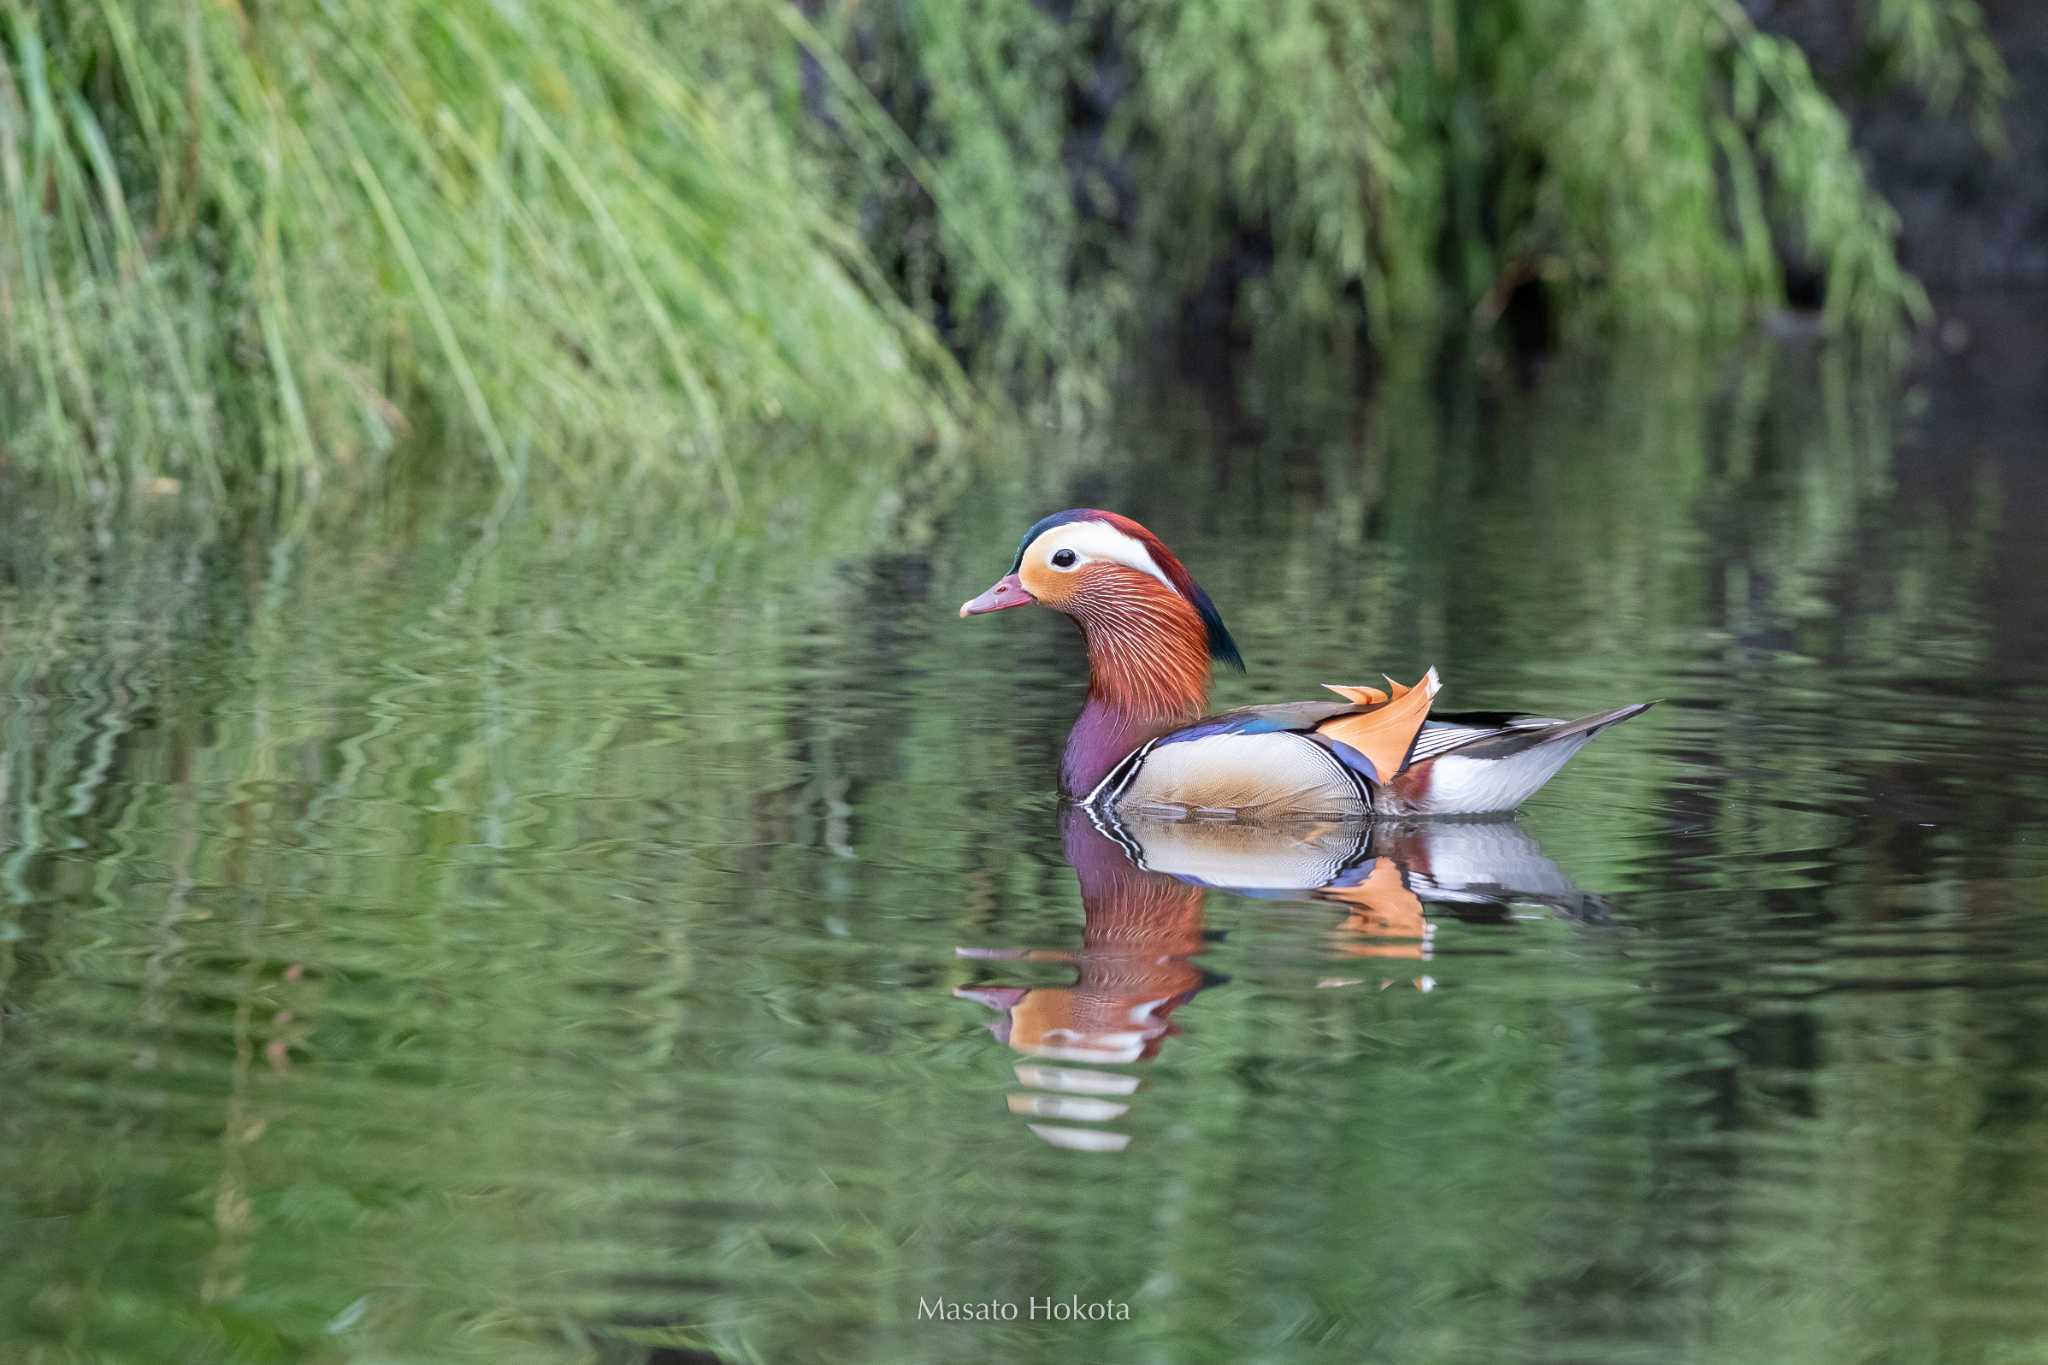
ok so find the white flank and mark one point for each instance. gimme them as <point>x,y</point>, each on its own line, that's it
<point>1487,786</point>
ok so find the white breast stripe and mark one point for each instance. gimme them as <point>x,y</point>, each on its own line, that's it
<point>1116,779</point>
<point>1482,786</point>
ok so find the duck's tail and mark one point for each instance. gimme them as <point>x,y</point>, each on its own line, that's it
<point>1490,764</point>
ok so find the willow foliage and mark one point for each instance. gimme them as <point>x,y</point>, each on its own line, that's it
<point>1647,162</point>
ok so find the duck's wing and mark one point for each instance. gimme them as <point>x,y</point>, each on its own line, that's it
<point>1459,730</point>
<point>1504,734</point>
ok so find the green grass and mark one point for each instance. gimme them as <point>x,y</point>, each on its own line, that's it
<point>276,241</point>
<point>264,248</point>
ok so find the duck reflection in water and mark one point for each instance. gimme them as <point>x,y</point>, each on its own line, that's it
<point>1143,885</point>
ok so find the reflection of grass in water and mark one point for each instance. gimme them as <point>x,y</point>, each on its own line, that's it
<point>344,763</point>
<point>553,825</point>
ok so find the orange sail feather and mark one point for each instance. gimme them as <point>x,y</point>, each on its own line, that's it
<point>1364,696</point>
<point>1386,733</point>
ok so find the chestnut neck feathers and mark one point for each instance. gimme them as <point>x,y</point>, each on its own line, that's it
<point>1148,670</point>
<point>1147,649</point>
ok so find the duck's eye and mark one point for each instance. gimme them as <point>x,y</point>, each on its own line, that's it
<point>1063,559</point>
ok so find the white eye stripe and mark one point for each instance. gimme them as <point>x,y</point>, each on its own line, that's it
<point>1099,540</point>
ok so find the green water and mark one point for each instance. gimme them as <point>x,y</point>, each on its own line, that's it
<point>540,933</point>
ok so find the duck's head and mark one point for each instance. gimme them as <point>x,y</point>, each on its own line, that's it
<point>1113,576</point>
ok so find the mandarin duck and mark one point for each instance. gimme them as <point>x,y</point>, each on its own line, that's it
<point>1141,741</point>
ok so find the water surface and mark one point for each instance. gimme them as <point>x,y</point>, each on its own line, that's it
<point>599,933</point>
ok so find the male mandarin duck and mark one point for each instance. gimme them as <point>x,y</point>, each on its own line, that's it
<point>1142,742</point>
